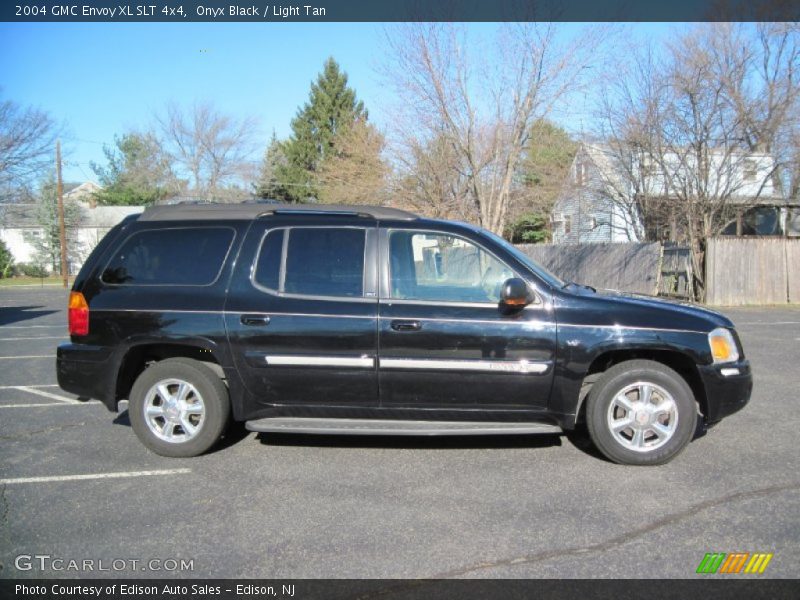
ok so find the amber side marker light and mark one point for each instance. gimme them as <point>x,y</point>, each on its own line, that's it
<point>723,347</point>
<point>78,314</point>
<point>515,301</point>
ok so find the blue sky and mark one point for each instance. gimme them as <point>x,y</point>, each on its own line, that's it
<point>102,79</point>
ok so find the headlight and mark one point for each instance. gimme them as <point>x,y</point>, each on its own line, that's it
<point>723,346</point>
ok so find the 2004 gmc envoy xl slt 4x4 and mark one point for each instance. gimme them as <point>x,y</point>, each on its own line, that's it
<point>372,320</point>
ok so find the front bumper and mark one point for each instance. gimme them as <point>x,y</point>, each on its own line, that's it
<point>86,371</point>
<point>728,388</point>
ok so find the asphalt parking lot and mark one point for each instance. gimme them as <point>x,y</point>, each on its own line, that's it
<point>75,483</point>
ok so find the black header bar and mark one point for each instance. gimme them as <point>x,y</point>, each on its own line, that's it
<point>707,587</point>
<point>280,11</point>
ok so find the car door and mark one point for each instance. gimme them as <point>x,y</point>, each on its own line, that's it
<point>301,313</point>
<point>445,340</point>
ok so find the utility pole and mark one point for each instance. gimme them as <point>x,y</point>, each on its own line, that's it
<point>61,227</point>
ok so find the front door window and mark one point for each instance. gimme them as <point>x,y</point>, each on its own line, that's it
<point>438,267</point>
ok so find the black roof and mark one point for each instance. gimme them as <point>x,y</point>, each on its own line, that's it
<point>212,212</point>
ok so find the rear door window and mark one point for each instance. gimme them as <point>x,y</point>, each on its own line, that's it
<point>318,261</point>
<point>170,256</point>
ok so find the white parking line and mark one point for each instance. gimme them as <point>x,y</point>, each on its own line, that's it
<point>48,404</point>
<point>30,390</point>
<point>32,385</point>
<point>28,356</point>
<point>64,326</point>
<point>119,475</point>
<point>43,337</point>
<point>769,323</point>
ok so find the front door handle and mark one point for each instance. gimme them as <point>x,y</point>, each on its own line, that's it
<point>406,325</point>
<point>255,320</point>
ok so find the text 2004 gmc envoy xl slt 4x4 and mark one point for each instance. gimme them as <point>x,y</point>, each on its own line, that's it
<point>368,320</point>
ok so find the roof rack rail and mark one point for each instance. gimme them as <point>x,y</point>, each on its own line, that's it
<point>245,211</point>
<point>373,212</point>
<point>319,211</point>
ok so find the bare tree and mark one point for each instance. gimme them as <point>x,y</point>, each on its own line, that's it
<point>759,66</point>
<point>694,134</point>
<point>211,147</point>
<point>430,180</point>
<point>27,138</point>
<point>481,105</point>
<point>354,172</point>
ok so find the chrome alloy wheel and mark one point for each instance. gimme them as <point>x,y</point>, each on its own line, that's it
<point>642,416</point>
<point>174,410</point>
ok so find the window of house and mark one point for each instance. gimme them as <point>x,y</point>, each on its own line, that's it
<point>567,224</point>
<point>649,167</point>
<point>750,169</point>
<point>438,267</point>
<point>170,256</point>
<point>581,173</point>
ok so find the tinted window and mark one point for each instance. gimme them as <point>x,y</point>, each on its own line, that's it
<point>180,256</point>
<point>443,268</point>
<point>325,262</point>
<point>268,268</point>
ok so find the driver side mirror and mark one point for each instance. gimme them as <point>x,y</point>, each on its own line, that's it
<point>515,293</point>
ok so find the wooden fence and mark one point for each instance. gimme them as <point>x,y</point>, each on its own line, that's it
<point>750,270</point>
<point>624,267</point>
<point>676,278</point>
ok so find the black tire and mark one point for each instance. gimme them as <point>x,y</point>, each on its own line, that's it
<point>665,385</point>
<point>213,397</point>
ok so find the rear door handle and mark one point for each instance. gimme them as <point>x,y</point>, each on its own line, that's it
<point>406,325</point>
<point>255,320</point>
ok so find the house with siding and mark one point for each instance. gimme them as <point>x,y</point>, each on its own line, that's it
<point>606,187</point>
<point>20,222</point>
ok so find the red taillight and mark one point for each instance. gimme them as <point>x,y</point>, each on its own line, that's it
<point>78,314</point>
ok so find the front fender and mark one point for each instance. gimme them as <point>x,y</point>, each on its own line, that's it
<point>580,347</point>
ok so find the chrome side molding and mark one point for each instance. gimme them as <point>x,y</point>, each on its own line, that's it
<point>488,366</point>
<point>356,362</point>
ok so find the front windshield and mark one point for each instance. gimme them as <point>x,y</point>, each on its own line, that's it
<point>543,273</point>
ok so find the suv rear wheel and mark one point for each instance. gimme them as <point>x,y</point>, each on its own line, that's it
<point>641,412</point>
<point>179,407</point>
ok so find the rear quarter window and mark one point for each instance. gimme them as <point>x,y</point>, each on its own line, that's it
<point>170,256</point>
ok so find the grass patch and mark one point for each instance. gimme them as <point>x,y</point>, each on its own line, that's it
<point>24,280</point>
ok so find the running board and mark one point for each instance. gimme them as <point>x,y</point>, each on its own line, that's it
<point>395,427</point>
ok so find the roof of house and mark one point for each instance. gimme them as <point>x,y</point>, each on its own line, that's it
<point>607,162</point>
<point>245,211</point>
<point>18,216</point>
<point>80,190</point>
<point>25,216</point>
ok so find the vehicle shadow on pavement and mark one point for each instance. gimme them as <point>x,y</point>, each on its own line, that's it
<point>579,438</point>
<point>14,314</point>
<point>454,442</point>
<point>235,433</point>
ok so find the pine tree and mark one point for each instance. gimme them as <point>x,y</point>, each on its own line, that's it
<point>331,106</point>
<point>46,240</point>
<point>268,184</point>
<point>138,172</point>
<point>6,260</point>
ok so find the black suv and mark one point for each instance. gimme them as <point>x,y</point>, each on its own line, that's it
<point>370,320</point>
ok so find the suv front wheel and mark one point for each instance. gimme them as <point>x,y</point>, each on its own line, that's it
<point>641,412</point>
<point>179,407</point>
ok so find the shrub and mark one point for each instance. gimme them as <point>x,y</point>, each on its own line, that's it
<point>6,261</point>
<point>31,270</point>
<point>528,229</point>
